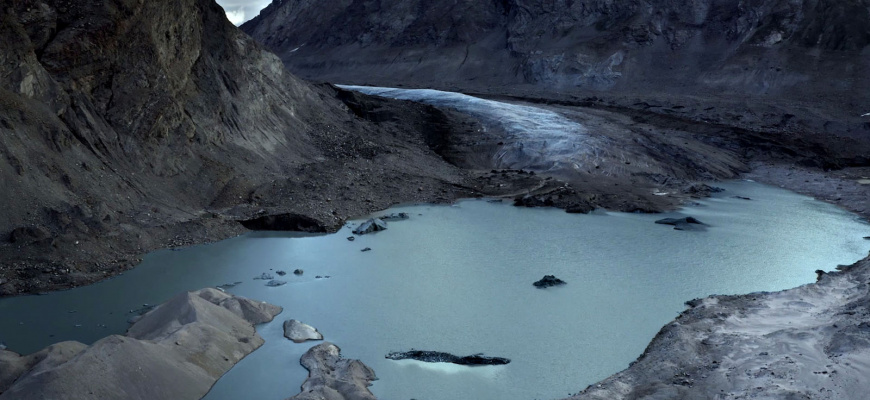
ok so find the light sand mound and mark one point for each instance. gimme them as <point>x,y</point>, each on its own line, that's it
<point>176,351</point>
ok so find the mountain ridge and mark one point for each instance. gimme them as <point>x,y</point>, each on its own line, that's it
<point>763,47</point>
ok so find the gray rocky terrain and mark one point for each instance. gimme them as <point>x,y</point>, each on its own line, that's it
<point>332,377</point>
<point>811,342</point>
<point>176,351</point>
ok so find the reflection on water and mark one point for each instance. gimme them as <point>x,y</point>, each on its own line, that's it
<point>459,279</point>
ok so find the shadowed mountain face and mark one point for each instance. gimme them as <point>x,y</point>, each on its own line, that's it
<point>122,117</point>
<point>129,100</point>
<point>769,47</point>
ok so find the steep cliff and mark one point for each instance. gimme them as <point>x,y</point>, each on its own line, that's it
<point>808,49</point>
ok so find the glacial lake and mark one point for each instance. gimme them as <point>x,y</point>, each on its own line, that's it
<point>459,279</point>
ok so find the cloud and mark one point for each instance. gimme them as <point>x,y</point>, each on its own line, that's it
<point>240,11</point>
<point>237,16</point>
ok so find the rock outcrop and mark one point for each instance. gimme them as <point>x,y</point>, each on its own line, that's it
<point>441,357</point>
<point>334,378</point>
<point>176,351</point>
<point>300,332</point>
<point>548,281</point>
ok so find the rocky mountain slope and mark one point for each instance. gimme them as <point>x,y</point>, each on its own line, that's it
<point>810,57</point>
<point>133,125</point>
<point>760,46</point>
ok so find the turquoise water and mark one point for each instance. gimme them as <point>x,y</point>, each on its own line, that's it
<point>459,279</point>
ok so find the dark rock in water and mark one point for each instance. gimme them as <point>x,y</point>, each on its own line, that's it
<point>548,281</point>
<point>351,238</point>
<point>866,237</point>
<point>274,283</point>
<point>495,201</point>
<point>820,274</point>
<point>395,217</point>
<point>366,249</point>
<point>265,277</point>
<point>742,198</point>
<point>284,223</point>
<point>702,190</point>
<point>678,221</point>
<point>229,285</point>
<point>298,272</point>
<point>281,273</point>
<point>372,225</point>
<point>439,357</point>
<point>681,224</point>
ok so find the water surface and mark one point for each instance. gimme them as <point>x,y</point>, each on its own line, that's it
<point>459,279</point>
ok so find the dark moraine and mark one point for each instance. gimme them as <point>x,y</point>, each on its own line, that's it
<point>440,357</point>
<point>285,223</point>
<point>548,281</point>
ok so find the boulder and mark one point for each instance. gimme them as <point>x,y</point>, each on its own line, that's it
<point>282,273</point>
<point>300,332</point>
<point>265,277</point>
<point>298,272</point>
<point>366,249</point>
<point>395,217</point>
<point>276,283</point>
<point>548,281</point>
<point>372,225</point>
<point>334,378</point>
<point>441,357</point>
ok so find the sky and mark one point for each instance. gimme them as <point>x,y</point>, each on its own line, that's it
<point>239,11</point>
